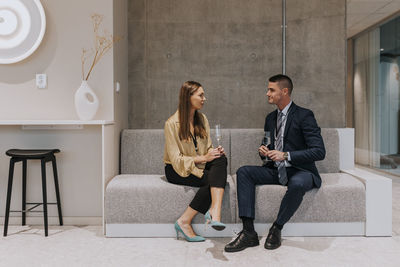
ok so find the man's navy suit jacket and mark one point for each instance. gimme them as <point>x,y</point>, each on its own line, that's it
<point>302,139</point>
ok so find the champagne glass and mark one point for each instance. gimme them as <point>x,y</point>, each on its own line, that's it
<point>266,141</point>
<point>218,134</point>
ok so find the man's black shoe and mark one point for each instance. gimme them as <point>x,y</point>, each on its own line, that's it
<point>273,240</point>
<point>244,240</point>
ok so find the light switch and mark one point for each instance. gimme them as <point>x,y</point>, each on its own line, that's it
<point>41,81</point>
<point>117,87</point>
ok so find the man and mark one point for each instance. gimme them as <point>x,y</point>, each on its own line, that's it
<point>296,145</point>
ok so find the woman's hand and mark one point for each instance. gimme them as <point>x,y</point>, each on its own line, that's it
<point>211,155</point>
<point>221,150</point>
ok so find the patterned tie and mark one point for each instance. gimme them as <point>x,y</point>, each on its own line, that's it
<point>279,146</point>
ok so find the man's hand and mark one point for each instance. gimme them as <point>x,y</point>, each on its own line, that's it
<point>263,150</point>
<point>275,155</point>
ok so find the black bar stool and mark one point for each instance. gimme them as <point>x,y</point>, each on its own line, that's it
<point>44,155</point>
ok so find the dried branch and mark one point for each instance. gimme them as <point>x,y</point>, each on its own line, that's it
<point>83,58</point>
<point>102,44</point>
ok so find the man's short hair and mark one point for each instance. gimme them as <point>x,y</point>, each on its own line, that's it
<point>283,81</point>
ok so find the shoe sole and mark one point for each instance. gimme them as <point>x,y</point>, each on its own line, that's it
<point>218,227</point>
<point>240,249</point>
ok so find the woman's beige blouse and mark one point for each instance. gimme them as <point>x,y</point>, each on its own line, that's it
<point>180,154</point>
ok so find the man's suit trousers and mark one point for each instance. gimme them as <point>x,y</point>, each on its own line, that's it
<point>299,182</point>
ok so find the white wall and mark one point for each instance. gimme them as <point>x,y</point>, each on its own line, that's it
<point>120,75</point>
<point>79,170</point>
<point>59,56</point>
<point>69,29</point>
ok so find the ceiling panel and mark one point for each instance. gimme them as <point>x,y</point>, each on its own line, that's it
<point>361,14</point>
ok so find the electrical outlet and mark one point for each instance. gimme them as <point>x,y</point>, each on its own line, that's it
<point>41,81</point>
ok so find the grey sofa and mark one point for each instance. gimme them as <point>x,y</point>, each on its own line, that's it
<point>140,202</point>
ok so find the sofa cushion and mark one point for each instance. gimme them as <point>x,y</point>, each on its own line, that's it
<point>152,199</point>
<point>245,144</point>
<point>142,151</point>
<point>331,163</point>
<point>341,198</point>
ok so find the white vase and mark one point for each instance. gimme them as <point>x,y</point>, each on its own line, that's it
<point>86,102</point>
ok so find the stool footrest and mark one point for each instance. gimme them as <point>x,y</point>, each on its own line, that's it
<point>31,209</point>
<point>26,211</point>
<point>41,203</point>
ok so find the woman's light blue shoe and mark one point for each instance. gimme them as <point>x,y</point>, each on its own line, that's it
<point>197,238</point>
<point>219,226</point>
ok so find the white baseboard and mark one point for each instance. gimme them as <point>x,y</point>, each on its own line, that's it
<point>290,229</point>
<point>53,220</point>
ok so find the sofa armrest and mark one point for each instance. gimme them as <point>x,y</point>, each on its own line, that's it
<point>378,192</point>
<point>346,148</point>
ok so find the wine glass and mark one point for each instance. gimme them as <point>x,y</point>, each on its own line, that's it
<point>218,134</point>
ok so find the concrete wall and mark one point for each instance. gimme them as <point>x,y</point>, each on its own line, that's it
<point>316,57</point>
<point>232,47</point>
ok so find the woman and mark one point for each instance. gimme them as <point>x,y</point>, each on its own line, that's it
<point>191,160</point>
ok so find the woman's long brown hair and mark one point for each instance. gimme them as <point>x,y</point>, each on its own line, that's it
<point>187,90</point>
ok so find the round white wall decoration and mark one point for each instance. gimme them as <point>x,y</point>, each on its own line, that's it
<point>22,27</point>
